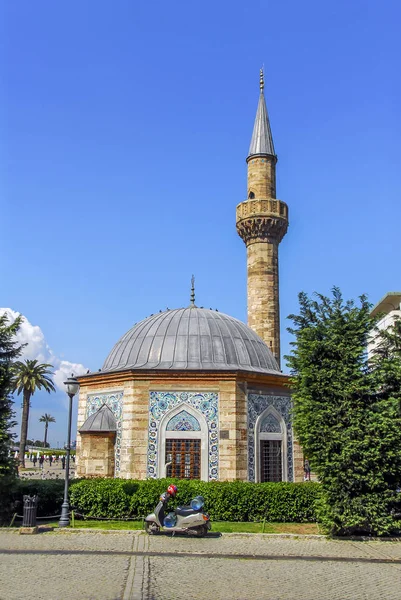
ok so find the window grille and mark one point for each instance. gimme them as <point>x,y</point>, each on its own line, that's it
<point>185,459</point>
<point>270,460</point>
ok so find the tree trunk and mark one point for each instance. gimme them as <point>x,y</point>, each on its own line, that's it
<point>45,442</point>
<point>24,427</point>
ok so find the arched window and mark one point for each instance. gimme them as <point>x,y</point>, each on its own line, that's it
<point>183,444</point>
<point>251,196</point>
<point>270,447</point>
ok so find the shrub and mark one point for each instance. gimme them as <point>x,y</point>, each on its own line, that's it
<point>50,495</point>
<point>103,497</point>
<point>226,501</point>
<point>7,485</point>
<point>13,490</point>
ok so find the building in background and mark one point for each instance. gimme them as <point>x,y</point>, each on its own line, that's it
<point>390,308</point>
<point>195,393</point>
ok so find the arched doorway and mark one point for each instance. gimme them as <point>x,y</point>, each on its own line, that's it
<point>271,447</point>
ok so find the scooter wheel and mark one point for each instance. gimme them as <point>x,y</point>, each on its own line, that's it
<point>151,528</point>
<point>198,531</point>
<point>204,529</point>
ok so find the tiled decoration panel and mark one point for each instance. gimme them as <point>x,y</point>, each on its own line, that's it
<point>270,425</point>
<point>114,401</point>
<point>160,403</point>
<point>183,422</point>
<point>257,404</point>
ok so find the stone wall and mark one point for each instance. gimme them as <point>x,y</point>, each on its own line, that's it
<point>96,455</point>
<point>134,444</point>
<point>298,462</point>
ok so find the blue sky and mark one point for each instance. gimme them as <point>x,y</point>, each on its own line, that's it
<point>124,132</point>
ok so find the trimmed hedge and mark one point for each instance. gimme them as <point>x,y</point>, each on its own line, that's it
<point>107,498</point>
<point>224,501</point>
<point>123,498</point>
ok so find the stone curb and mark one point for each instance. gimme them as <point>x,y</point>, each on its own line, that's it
<point>291,536</point>
<point>89,530</point>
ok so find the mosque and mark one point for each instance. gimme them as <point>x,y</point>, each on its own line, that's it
<point>192,392</point>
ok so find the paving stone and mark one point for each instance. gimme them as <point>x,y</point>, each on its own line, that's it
<point>93,565</point>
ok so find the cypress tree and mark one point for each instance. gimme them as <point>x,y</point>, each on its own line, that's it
<point>346,419</point>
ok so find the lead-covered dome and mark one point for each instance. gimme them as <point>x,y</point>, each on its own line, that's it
<point>191,339</point>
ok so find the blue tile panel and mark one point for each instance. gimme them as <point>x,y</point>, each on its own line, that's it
<point>257,404</point>
<point>270,425</point>
<point>183,422</point>
<point>206,403</point>
<point>114,401</point>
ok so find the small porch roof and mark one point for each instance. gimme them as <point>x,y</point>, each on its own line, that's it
<point>101,421</point>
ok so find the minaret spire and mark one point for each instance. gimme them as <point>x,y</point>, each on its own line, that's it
<point>262,139</point>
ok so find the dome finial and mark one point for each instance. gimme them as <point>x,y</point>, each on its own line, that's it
<point>262,80</point>
<point>192,291</point>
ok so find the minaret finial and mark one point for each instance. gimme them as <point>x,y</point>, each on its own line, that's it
<point>261,80</point>
<point>262,140</point>
<point>192,291</point>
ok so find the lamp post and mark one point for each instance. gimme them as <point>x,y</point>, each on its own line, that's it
<point>72,386</point>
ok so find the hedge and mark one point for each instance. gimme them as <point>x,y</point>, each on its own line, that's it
<point>7,485</point>
<point>50,492</point>
<point>224,501</point>
<point>124,498</point>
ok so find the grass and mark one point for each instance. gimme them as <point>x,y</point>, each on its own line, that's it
<point>221,526</point>
<point>233,527</point>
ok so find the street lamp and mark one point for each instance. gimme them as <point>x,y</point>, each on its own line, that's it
<point>72,386</point>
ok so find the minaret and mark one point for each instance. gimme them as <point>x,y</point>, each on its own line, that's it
<point>262,222</point>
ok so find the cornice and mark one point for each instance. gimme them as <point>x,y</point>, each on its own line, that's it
<point>121,377</point>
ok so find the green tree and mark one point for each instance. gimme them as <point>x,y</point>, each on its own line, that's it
<point>28,377</point>
<point>39,444</point>
<point>346,421</point>
<point>9,350</point>
<point>46,419</point>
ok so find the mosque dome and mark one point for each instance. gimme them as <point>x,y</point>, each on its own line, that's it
<point>191,339</point>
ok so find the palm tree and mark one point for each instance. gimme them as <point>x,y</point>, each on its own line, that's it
<point>29,376</point>
<point>46,419</point>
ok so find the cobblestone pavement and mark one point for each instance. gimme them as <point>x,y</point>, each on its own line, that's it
<point>75,565</point>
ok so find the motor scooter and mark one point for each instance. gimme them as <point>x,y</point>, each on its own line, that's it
<point>185,519</point>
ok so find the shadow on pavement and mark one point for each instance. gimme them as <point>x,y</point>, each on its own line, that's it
<point>209,535</point>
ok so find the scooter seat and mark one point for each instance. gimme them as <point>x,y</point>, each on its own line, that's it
<point>185,511</point>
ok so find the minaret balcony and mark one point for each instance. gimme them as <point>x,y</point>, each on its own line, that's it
<point>263,207</point>
<point>262,220</point>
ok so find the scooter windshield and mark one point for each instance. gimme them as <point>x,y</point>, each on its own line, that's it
<point>197,503</point>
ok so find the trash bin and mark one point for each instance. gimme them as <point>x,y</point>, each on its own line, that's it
<point>30,510</point>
